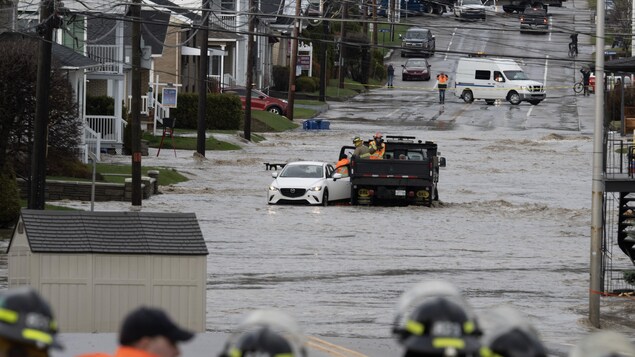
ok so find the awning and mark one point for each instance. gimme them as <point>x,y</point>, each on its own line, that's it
<point>193,51</point>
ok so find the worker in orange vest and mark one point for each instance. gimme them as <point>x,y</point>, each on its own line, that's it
<point>341,167</point>
<point>443,85</point>
<point>377,147</point>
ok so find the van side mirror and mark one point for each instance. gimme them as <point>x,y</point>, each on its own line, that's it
<point>400,36</point>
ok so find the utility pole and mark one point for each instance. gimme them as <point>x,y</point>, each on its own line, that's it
<point>323,65</point>
<point>375,32</point>
<point>250,69</point>
<point>294,59</point>
<point>135,132</point>
<point>40,139</point>
<point>202,82</point>
<point>342,43</point>
<point>595,284</point>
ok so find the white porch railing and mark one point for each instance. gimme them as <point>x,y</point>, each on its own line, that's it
<point>109,56</point>
<point>144,104</point>
<point>111,133</point>
<point>226,21</point>
<point>92,143</point>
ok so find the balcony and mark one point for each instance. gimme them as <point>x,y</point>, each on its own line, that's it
<point>110,57</point>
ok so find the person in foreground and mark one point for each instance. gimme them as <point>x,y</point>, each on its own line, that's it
<point>510,335</point>
<point>266,333</point>
<point>27,325</point>
<point>603,344</point>
<point>433,319</point>
<point>148,332</point>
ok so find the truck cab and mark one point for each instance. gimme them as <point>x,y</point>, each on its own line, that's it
<point>469,9</point>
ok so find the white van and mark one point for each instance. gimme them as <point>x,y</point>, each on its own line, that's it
<point>495,78</point>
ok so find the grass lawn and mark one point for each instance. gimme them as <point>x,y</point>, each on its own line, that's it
<point>187,143</point>
<point>118,173</point>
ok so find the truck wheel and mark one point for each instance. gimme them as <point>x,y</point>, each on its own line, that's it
<point>468,96</point>
<point>508,10</point>
<point>513,97</point>
<point>353,197</point>
<point>430,9</point>
<point>436,195</point>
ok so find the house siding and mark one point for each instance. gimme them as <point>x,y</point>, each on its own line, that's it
<point>167,66</point>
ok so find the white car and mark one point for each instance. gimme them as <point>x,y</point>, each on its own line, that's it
<point>308,182</point>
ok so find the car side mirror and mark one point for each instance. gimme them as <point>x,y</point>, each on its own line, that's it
<point>336,176</point>
<point>274,174</point>
<point>403,65</point>
<point>441,161</point>
<point>429,65</point>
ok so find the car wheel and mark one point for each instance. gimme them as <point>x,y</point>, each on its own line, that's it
<point>427,78</point>
<point>404,78</point>
<point>513,97</point>
<point>468,96</point>
<point>325,198</point>
<point>490,101</point>
<point>535,102</point>
<point>275,110</point>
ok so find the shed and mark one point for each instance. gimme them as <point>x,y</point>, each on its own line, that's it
<point>94,267</point>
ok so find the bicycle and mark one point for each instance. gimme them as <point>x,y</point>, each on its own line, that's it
<point>578,87</point>
<point>573,49</point>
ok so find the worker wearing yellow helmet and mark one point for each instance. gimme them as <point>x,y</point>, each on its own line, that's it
<point>377,147</point>
<point>361,151</point>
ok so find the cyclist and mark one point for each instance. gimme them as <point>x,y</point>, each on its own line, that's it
<point>573,45</point>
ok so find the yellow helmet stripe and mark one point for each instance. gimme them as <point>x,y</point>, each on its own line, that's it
<point>469,327</point>
<point>38,336</point>
<point>443,342</point>
<point>414,327</point>
<point>8,316</point>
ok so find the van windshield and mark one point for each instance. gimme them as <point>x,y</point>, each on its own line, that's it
<point>512,75</point>
<point>472,2</point>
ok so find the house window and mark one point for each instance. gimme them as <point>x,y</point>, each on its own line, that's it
<point>215,66</point>
<point>228,5</point>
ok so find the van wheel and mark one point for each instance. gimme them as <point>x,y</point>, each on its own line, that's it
<point>490,101</point>
<point>468,97</point>
<point>513,97</point>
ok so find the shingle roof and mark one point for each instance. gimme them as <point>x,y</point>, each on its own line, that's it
<point>66,57</point>
<point>113,232</point>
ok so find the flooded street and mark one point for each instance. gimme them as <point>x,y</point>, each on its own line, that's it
<point>512,228</point>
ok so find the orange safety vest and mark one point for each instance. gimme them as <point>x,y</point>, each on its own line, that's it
<point>379,151</point>
<point>342,167</point>
<point>443,79</point>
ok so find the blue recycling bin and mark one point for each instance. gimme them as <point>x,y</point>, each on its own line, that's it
<point>306,125</point>
<point>325,125</point>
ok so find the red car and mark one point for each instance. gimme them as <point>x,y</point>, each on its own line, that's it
<point>416,68</point>
<point>260,101</point>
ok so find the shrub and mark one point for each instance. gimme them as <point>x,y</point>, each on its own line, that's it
<point>100,105</point>
<point>224,111</point>
<point>281,78</point>
<point>305,84</point>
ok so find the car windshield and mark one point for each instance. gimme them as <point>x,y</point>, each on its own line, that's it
<point>515,75</point>
<point>416,63</point>
<point>472,2</point>
<point>419,35</point>
<point>303,171</point>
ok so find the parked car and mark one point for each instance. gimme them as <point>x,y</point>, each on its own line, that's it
<point>469,9</point>
<point>415,68</point>
<point>260,101</point>
<point>534,20</point>
<point>418,41</point>
<point>308,182</point>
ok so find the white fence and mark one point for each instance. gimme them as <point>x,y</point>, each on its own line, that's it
<point>144,104</point>
<point>109,56</point>
<point>107,126</point>
<point>91,144</point>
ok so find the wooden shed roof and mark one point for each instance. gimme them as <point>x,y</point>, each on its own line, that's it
<point>113,232</point>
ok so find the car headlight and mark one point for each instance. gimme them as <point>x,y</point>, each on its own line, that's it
<point>316,188</point>
<point>525,88</point>
<point>273,188</point>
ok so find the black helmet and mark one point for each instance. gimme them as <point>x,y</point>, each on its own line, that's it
<point>25,317</point>
<point>511,336</point>
<point>604,344</point>
<point>266,333</point>
<point>435,320</point>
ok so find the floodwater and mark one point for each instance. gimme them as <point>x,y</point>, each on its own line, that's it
<point>513,227</point>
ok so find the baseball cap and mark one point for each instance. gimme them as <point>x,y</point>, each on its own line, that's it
<point>150,322</point>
